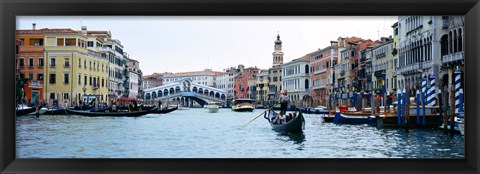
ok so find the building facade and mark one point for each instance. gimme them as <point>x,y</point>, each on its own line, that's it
<point>135,79</point>
<point>296,79</point>
<point>322,73</point>
<point>262,86</point>
<point>429,47</point>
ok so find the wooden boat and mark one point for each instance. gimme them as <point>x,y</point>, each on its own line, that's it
<point>23,110</point>
<point>350,115</point>
<point>243,105</point>
<point>164,111</point>
<point>390,119</point>
<point>328,118</point>
<point>110,114</point>
<point>293,125</point>
<point>212,107</point>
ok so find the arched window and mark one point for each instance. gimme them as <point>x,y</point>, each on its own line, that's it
<point>306,84</point>
<point>455,41</point>
<point>460,40</point>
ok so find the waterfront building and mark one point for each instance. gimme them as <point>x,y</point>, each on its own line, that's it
<point>153,80</point>
<point>262,86</point>
<point>135,79</point>
<point>114,51</point>
<point>322,73</point>
<point>206,77</point>
<point>275,72</point>
<point>383,65</point>
<point>30,63</point>
<point>245,82</point>
<point>430,47</point>
<point>226,82</point>
<point>68,76</point>
<point>296,79</point>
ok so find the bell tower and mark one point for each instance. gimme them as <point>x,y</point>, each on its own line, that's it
<point>277,54</point>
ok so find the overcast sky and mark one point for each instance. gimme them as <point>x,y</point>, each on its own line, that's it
<point>180,44</point>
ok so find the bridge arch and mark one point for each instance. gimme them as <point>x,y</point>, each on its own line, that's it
<point>154,95</point>
<point>200,90</point>
<point>147,96</point>
<point>217,95</point>
<point>165,92</point>
<point>172,91</point>
<point>177,89</point>
<point>194,89</point>
<point>205,92</point>
<point>222,96</point>
<point>159,93</point>
<point>212,93</point>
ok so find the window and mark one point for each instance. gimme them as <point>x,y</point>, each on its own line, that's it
<point>30,62</point>
<point>60,42</point>
<point>70,42</point>
<point>79,62</point>
<point>36,42</point>
<point>90,80</point>
<point>39,76</point>
<point>22,42</point>
<point>103,84</point>
<point>85,80</point>
<point>65,96</point>
<point>52,62</point>
<point>85,64</point>
<point>94,81</point>
<point>40,61</point>
<point>65,78</point>
<point>79,79</point>
<point>22,62</point>
<point>52,78</point>
<point>90,44</point>
<point>67,62</point>
<point>30,76</point>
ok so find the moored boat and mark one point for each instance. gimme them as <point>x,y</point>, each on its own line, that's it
<point>23,110</point>
<point>352,117</point>
<point>243,105</point>
<point>293,125</point>
<point>110,114</point>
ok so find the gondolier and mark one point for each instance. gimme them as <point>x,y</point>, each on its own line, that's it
<point>283,100</point>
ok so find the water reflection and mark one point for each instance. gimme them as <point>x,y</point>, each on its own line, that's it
<point>297,138</point>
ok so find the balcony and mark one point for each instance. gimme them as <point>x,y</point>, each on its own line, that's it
<point>409,69</point>
<point>35,84</point>
<point>453,57</point>
<point>319,71</point>
<point>105,49</point>
<point>320,87</point>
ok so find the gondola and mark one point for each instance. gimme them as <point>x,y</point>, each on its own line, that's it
<point>24,110</point>
<point>164,111</point>
<point>293,125</point>
<point>52,111</point>
<point>110,114</point>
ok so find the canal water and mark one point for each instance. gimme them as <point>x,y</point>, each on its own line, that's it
<point>195,133</point>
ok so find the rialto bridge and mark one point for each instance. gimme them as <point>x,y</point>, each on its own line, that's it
<point>184,92</point>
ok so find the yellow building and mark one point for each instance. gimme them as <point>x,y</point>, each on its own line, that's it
<point>262,86</point>
<point>72,71</point>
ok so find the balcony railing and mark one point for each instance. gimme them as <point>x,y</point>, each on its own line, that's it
<point>453,57</point>
<point>320,71</point>
<point>35,83</point>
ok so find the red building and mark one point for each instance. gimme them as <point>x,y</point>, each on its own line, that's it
<point>30,62</point>
<point>321,70</point>
<point>245,86</point>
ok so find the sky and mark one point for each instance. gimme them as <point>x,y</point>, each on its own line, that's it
<point>194,43</point>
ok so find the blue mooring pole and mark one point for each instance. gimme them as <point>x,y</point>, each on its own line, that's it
<point>418,106</point>
<point>399,107</point>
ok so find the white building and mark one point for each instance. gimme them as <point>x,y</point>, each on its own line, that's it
<point>226,81</point>
<point>134,79</point>
<point>429,45</point>
<point>296,78</point>
<point>206,77</point>
<point>383,63</point>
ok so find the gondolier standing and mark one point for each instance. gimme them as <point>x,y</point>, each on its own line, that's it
<point>283,100</point>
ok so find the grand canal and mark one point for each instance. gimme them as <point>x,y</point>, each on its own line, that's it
<point>194,133</point>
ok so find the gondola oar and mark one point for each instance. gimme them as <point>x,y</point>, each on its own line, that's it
<point>257,117</point>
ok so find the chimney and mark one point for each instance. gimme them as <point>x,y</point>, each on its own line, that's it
<point>84,30</point>
<point>34,25</point>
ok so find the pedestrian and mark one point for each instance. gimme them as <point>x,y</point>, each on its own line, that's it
<point>159,104</point>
